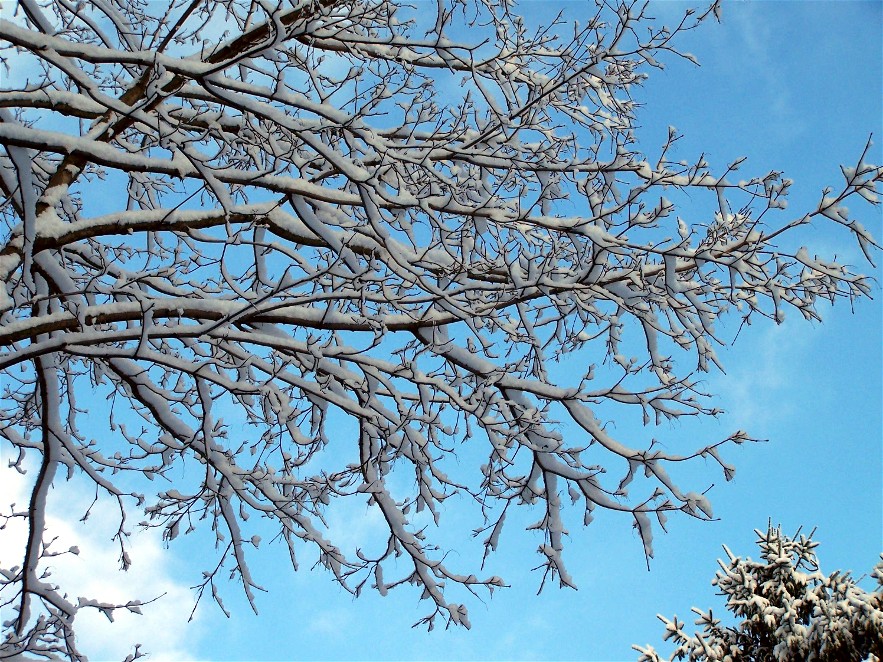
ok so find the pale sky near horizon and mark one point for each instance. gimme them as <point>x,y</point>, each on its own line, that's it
<point>796,87</point>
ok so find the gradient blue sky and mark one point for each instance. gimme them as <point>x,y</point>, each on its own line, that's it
<point>794,86</point>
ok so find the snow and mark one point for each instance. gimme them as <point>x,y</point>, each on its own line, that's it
<point>788,609</point>
<point>295,280</point>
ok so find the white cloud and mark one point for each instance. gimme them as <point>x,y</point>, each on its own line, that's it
<point>163,629</point>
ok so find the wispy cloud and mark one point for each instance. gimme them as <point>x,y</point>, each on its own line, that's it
<point>163,629</point>
<point>765,68</point>
<point>752,390</point>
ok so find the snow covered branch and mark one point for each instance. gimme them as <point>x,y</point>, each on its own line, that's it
<point>300,253</point>
<point>789,610</point>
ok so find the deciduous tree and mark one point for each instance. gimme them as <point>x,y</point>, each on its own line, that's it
<point>331,251</point>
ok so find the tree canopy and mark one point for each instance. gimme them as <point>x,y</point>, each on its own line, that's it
<point>787,610</point>
<point>264,258</point>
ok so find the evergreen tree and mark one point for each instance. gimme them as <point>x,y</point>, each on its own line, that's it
<point>787,610</point>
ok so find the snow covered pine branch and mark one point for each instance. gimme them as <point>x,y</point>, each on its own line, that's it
<point>285,256</point>
<point>790,611</point>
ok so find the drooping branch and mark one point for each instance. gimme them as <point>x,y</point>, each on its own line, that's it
<point>292,228</point>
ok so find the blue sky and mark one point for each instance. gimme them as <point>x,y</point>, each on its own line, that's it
<point>794,86</point>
